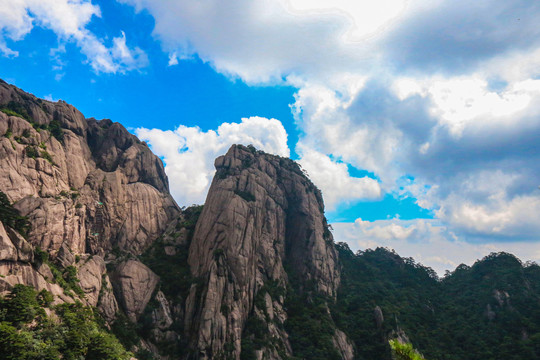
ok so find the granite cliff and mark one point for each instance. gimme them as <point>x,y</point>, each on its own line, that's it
<point>90,191</point>
<point>262,224</point>
<point>101,225</point>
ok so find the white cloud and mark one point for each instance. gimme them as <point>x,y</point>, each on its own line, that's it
<point>435,91</point>
<point>427,241</point>
<point>482,204</point>
<point>68,19</point>
<point>266,41</point>
<point>333,179</point>
<point>366,18</point>
<point>331,126</point>
<point>189,152</point>
<point>50,98</point>
<point>173,59</point>
<point>463,101</point>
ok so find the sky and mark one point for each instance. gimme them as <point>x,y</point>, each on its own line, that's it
<point>419,120</point>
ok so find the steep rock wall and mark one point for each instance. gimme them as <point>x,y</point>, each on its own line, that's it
<point>262,215</point>
<point>90,191</point>
<point>84,183</point>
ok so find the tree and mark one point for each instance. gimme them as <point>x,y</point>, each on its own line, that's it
<point>404,351</point>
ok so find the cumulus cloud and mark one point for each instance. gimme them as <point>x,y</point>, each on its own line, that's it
<point>266,41</point>
<point>466,101</point>
<point>69,20</point>
<point>271,40</point>
<point>334,180</point>
<point>445,93</point>
<point>189,152</point>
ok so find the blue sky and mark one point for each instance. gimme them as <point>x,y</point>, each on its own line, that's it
<point>419,120</point>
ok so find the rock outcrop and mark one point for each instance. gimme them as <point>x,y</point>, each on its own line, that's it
<point>91,192</point>
<point>103,224</point>
<point>84,183</point>
<point>16,258</point>
<point>133,285</point>
<point>262,215</point>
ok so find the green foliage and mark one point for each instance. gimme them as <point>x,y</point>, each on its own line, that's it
<point>104,346</point>
<point>173,270</point>
<point>144,354</point>
<point>175,279</point>
<point>405,351</point>
<point>44,298</point>
<point>66,278</point>
<point>83,337</point>
<point>70,276</point>
<point>20,110</point>
<point>31,151</point>
<point>309,325</point>
<point>8,133</point>
<point>21,305</point>
<point>55,129</point>
<point>41,256</point>
<point>246,195</point>
<point>13,344</point>
<point>10,112</point>
<point>218,253</point>
<point>125,331</point>
<point>10,216</point>
<point>15,109</point>
<point>190,217</point>
<point>48,157</point>
<point>255,337</point>
<point>26,333</point>
<point>446,319</point>
<point>252,149</point>
<point>271,287</point>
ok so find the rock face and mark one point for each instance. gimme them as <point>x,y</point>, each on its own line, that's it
<point>84,183</point>
<point>99,206</point>
<point>16,257</point>
<point>89,189</point>
<point>133,285</point>
<point>262,214</point>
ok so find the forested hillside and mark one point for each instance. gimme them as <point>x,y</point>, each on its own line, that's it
<point>490,310</point>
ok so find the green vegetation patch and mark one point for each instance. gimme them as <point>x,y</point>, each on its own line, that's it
<point>71,332</point>
<point>31,152</point>
<point>246,195</point>
<point>404,351</point>
<point>11,217</point>
<point>15,109</point>
<point>66,278</point>
<point>309,325</point>
<point>175,282</point>
<point>486,311</point>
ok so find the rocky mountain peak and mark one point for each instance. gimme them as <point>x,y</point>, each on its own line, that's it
<point>86,184</point>
<point>88,189</point>
<point>262,226</point>
<point>102,224</point>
